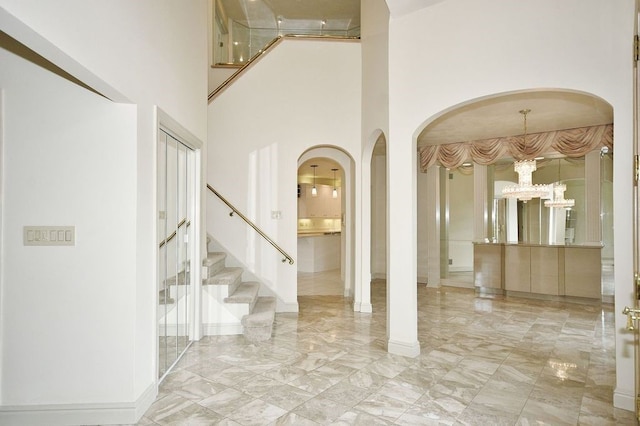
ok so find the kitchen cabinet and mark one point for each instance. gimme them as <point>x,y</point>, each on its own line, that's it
<point>324,205</point>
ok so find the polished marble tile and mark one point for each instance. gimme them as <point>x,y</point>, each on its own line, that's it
<point>321,410</point>
<point>485,360</point>
<point>256,413</point>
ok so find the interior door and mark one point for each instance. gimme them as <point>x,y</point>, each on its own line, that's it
<point>176,181</point>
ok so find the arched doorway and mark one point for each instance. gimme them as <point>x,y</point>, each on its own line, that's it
<point>485,152</point>
<point>325,223</point>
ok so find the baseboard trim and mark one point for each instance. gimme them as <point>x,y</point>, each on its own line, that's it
<point>624,400</point>
<point>410,350</point>
<point>145,400</point>
<point>221,329</point>
<point>78,414</point>
<point>365,308</point>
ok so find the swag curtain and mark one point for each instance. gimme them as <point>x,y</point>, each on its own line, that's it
<point>571,142</point>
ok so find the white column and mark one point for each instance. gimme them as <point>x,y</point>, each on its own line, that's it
<point>429,219</point>
<point>402,309</point>
<point>480,203</point>
<point>362,291</point>
<point>592,174</point>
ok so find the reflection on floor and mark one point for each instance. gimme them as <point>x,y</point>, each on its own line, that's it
<point>483,361</point>
<point>326,283</point>
<point>458,279</point>
<point>465,280</point>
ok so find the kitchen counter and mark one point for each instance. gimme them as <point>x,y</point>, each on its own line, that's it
<point>318,251</point>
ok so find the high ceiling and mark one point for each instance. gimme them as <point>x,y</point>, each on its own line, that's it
<point>488,118</point>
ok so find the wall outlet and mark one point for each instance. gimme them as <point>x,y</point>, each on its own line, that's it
<point>276,214</point>
<point>450,261</point>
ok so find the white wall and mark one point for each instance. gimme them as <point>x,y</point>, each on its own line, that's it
<point>379,216</point>
<point>461,50</point>
<point>149,53</point>
<point>302,94</point>
<point>375,126</point>
<point>67,312</point>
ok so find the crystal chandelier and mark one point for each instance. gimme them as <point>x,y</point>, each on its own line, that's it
<point>558,201</point>
<point>525,190</point>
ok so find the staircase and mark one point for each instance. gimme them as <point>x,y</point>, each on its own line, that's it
<point>231,306</point>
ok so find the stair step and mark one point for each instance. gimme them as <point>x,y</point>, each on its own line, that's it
<point>245,293</point>
<point>181,279</point>
<point>262,314</point>
<point>164,299</point>
<point>231,277</point>
<point>258,325</point>
<point>214,262</point>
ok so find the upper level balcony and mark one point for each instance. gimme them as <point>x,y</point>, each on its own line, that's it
<point>242,28</point>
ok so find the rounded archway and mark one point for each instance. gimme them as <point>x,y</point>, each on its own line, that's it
<point>325,226</point>
<point>470,148</point>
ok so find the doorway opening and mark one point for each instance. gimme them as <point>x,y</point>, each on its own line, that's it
<point>320,260</point>
<point>325,226</point>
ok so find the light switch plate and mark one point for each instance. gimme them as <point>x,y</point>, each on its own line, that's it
<point>49,235</point>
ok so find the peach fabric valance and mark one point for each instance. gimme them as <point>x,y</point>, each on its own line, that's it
<point>572,143</point>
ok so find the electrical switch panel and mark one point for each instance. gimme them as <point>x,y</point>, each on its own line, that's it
<point>49,235</point>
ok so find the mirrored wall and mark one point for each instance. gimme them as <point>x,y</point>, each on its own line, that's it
<point>514,221</point>
<point>532,222</point>
<point>175,249</point>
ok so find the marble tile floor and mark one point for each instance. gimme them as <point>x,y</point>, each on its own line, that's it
<point>325,283</point>
<point>483,361</point>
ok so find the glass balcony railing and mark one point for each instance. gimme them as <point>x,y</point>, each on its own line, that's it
<point>235,42</point>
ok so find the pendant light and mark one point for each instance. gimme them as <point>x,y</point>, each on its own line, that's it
<point>525,190</point>
<point>314,190</point>
<point>335,190</point>
<point>558,201</point>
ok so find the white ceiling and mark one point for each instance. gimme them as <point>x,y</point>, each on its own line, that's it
<point>323,171</point>
<point>500,116</point>
<point>403,7</point>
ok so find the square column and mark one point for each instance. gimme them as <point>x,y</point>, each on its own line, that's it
<point>402,309</point>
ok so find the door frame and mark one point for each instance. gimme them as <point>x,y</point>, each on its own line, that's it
<point>165,123</point>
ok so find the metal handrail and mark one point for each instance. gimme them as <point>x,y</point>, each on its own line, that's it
<point>253,225</point>
<point>174,233</point>
<point>267,48</point>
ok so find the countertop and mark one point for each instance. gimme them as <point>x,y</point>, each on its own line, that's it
<point>317,233</point>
